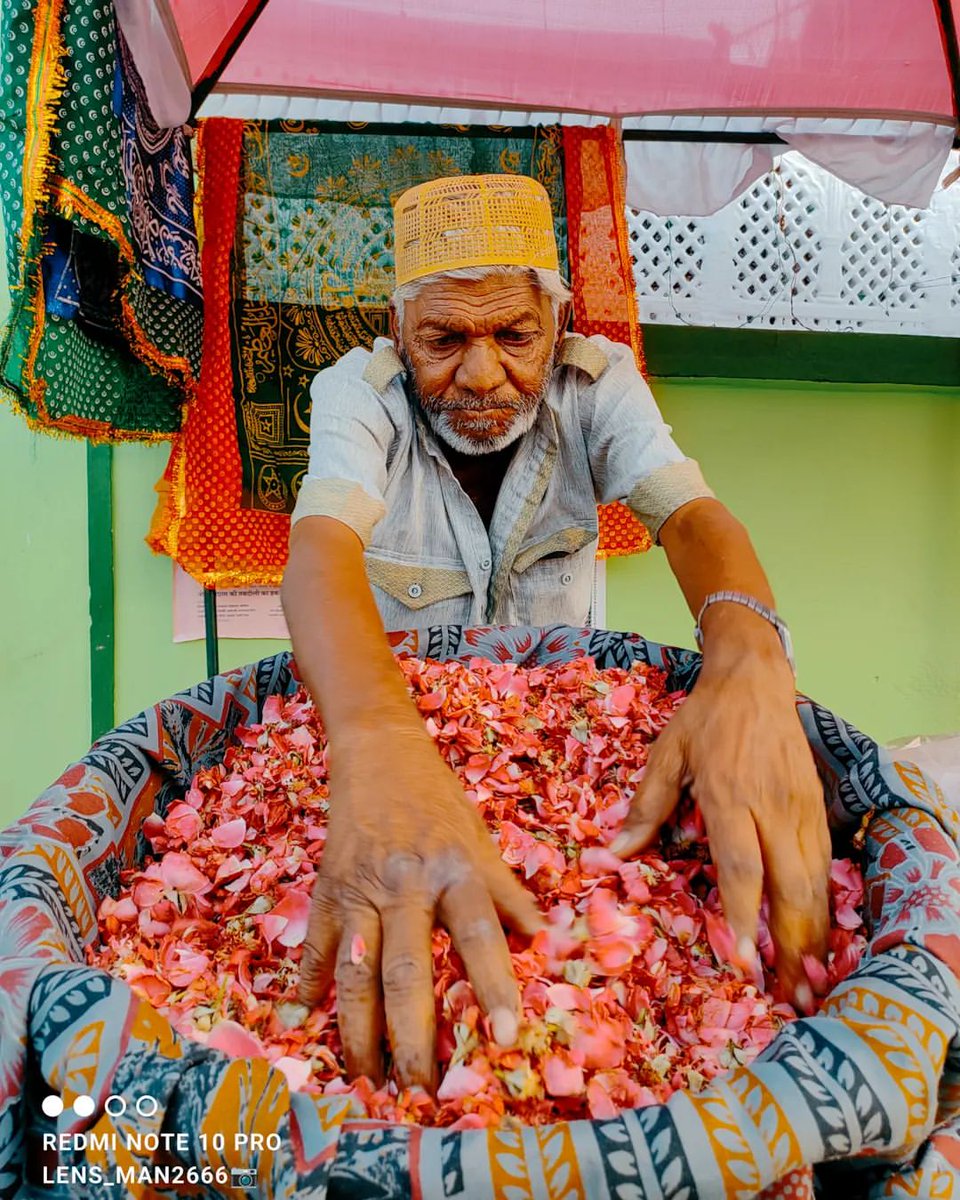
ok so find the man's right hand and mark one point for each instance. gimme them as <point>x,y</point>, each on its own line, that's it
<point>404,849</point>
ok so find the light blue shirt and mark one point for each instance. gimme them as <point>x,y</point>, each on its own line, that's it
<point>377,466</point>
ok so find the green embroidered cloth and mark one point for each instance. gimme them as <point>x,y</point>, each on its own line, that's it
<point>106,316</point>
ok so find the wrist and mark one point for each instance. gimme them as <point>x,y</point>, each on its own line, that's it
<point>742,625</point>
<point>383,725</point>
<point>736,636</point>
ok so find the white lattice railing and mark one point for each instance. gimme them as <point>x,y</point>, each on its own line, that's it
<point>799,249</point>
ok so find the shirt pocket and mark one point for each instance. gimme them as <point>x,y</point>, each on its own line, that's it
<point>553,578</point>
<point>411,595</point>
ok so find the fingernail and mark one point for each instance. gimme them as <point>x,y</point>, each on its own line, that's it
<point>747,951</point>
<point>804,997</point>
<point>503,1023</point>
<point>620,844</point>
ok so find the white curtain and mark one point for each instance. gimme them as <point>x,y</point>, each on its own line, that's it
<point>898,162</point>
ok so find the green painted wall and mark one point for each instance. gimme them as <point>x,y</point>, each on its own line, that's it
<point>149,664</point>
<point>44,646</point>
<point>852,495</point>
<point>44,629</point>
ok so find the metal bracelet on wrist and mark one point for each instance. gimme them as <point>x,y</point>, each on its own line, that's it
<point>761,610</point>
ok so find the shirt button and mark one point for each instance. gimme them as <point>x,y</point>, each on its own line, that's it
<point>414,590</point>
<point>484,564</point>
<point>566,578</point>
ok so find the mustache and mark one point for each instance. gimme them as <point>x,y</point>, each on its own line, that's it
<point>470,402</point>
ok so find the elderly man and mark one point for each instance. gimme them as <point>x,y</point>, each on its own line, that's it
<point>454,477</point>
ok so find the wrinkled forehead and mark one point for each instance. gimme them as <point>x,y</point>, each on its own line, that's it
<point>462,303</point>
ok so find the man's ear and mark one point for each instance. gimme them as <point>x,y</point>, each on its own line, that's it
<point>395,329</point>
<point>564,313</point>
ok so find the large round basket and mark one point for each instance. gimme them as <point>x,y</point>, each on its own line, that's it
<point>865,1095</point>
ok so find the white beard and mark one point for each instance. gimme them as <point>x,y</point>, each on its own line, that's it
<point>439,419</point>
<point>442,426</point>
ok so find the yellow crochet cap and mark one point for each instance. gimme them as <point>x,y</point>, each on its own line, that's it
<point>473,221</point>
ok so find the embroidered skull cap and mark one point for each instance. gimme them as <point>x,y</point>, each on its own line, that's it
<point>473,221</point>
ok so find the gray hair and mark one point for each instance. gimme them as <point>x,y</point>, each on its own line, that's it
<point>549,282</point>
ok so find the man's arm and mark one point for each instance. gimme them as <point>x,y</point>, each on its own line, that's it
<point>404,845</point>
<point>738,744</point>
<point>339,640</point>
<point>709,550</point>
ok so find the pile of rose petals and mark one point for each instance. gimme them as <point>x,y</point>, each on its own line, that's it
<point>628,995</point>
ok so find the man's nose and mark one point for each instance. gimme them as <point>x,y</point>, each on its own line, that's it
<point>480,369</point>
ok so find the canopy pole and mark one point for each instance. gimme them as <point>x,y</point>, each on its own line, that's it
<point>224,53</point>
<point>210,630</point>
<point>755,137</point>
<point>100,576</point>
<point>951,51</point>
<point>759,137</point>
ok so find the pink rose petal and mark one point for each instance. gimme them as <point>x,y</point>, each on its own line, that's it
<point>153,826</point>
<point>598,860</point>
<point>720,936</point>
<point>182,965</point>
<point>620,699</point>
<point>561,1077</point>
<point>180,874</point>
<point>296,1070</point>
<point>230,835</point>
<point>182,821</point>
<point>236,1041</point>
<point>460,1081</point>
<point>287,921</point>
<point>230,868</point>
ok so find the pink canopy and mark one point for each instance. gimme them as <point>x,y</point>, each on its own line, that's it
<point>866,88</point>
<point>872,58</point>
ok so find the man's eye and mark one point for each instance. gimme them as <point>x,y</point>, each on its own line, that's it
<point>446,341</point>
<point>516,337</point>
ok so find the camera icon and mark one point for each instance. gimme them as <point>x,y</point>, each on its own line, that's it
<point>243,1177</point>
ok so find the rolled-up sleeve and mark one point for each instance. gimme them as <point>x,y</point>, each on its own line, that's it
<point>633,457</point>
<point>351,432</point>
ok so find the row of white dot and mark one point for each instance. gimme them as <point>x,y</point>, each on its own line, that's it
<point>84,1106</point>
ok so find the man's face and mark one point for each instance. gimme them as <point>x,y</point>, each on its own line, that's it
<point>479,354</point>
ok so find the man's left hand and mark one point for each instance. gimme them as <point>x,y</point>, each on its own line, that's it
<point>738,745</point>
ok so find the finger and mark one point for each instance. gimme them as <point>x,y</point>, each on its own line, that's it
<point>818,853</point>
<point>359,999</point>
<point>320,946</point>
<point>811,806</point>
<point>735,850</point>
<point>792,922</point>
<point>468,912</point>
<point>407,975</point>
<point>799,908</point>
<point>821,855</point>
<point>654,800</point>
<point>511,899</point>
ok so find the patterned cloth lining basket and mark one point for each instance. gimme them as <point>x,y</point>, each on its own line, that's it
<point>869,1089</point>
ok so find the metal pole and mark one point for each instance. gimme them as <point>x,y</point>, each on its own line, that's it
<point>210,630</point>
<point>101,583</point>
